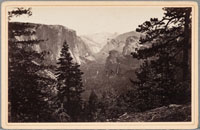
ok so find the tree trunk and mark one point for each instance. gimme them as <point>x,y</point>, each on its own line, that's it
<point>186,45</point>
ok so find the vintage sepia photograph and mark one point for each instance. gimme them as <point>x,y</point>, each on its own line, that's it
<point>99,63</point>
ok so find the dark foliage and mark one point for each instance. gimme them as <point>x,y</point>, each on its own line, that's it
<point>69,84</point>
<point>90,111</point>
<point>29,100</point>
<point>92,106</point>
<point>164,78</point>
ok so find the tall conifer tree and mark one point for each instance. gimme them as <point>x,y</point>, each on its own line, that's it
<point>27,101</point>
<point>166,57</point>
<point>70,84</point>
<point>92,106</point>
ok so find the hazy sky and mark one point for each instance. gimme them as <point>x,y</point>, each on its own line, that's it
<point>88,20</point>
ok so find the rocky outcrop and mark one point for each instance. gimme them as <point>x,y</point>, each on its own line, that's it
<point>117,53</point>
<point>124,43</point>
<point>169,113</point>
<point>112,65</point>
<point>131,45</point>
<point>117,64</point>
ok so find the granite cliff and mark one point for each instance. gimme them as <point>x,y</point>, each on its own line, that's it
<point>54,37</point>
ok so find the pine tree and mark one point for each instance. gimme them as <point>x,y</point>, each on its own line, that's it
<point>92,106</point>
<point>165,57</point>
<point>70,84</point>
<point>27,101</point>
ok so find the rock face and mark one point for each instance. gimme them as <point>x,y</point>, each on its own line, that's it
<point>100,39</point>
<point>114,66</point>
<point>118,53</point>
<point>94,47</point>
<point>124,43</point>
<point>54,37</point>
<point>117,64</point>
<point>131,45</point>
<point>119,42</point>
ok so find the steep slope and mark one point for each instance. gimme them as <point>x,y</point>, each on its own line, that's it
<point>114,74</point>
<point>131,45</point>
<point>114,66</point>
<point>171,113</point>
<point>124,36</point>
<point>97,41</point>
<point>94,46</point>
<point>120,43</point>
<point>54,37</point>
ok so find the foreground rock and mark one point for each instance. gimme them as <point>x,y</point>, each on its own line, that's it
<point>171,113</point>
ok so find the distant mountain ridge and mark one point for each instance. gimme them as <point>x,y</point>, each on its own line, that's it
<point>98,40</point>
<point>54,36</point>
<point>95,47</point>
<point>120,44</point>
<point>82,48</point>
